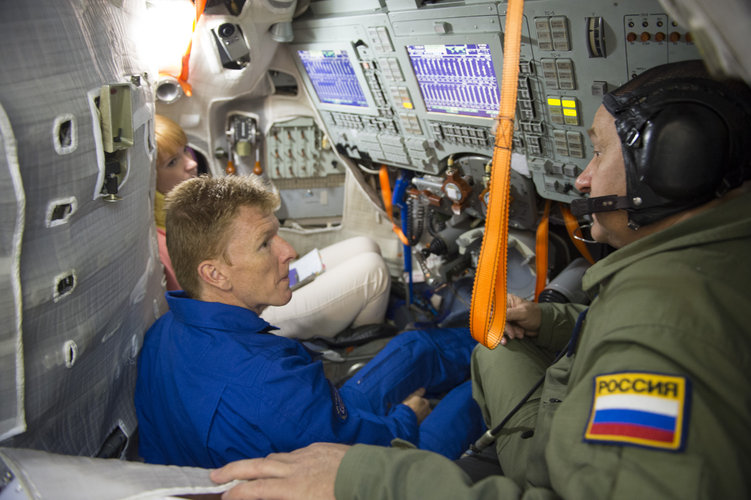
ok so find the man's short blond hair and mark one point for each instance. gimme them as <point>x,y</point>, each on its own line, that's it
<point>200,212</point>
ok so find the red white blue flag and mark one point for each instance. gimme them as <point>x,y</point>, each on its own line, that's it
<point>643,409</point>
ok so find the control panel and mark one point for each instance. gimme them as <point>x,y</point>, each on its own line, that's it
<point>411,86</point>
<point>298,149</point>
<point>302,164</point>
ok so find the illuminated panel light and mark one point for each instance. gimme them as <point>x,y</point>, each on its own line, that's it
<point>568,103</point>
<point>556,111</point>
<point>333,77</point>
<point>456,78</point>
<point>405,98</point>
<point>570,112</point>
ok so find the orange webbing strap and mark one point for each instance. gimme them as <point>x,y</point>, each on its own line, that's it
<point>541,251</point>
<point>383,176</point>
<point>185,67</point>
<point>572,225</point>
<point>488,313</point>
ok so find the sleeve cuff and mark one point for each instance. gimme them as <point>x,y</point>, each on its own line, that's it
<point>557,324</point>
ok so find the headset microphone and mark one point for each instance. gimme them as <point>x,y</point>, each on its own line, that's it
<point>586,206</point>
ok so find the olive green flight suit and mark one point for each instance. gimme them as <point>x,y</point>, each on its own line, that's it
<point>667,338</point>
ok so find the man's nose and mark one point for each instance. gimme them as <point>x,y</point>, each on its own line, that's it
<point>288,253</point>
<point>583,181</point>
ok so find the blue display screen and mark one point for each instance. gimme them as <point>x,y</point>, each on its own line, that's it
<point>333,77</point>
<point>457,79</point>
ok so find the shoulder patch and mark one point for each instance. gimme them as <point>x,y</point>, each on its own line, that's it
<point>641,409</point>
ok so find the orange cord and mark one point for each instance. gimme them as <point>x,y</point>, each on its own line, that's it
<point>383,177</point>
<point>572,225</point>
<point>185,62</point>
<point>541,251</point>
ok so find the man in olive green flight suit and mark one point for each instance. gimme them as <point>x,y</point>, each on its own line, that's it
<point>651,397</point>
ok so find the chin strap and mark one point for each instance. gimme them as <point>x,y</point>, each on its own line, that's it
<point>586,206</point>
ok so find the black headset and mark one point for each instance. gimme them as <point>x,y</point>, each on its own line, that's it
<point>686,151</point>
<point>683,142</point>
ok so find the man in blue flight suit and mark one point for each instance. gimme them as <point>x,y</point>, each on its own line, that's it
<point>216,385</point>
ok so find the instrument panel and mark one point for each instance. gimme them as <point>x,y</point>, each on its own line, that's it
<point>411,86</point>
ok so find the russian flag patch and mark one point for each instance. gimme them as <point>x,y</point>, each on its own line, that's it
<point>642,409</point>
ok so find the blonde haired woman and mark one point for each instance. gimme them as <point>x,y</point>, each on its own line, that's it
<point>175,163</point>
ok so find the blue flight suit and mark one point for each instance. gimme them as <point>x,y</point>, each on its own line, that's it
<point>215,386</point>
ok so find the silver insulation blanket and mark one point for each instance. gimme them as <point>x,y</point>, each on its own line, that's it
<point>80,278</point>
<point>41,475</point>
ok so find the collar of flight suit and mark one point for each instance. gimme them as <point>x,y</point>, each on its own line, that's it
<point>215,315</point>
<point>730,220</point>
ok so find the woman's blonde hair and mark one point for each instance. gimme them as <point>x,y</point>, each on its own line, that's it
<point>170,138</point>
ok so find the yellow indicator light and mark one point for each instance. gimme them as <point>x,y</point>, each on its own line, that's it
<point>569,112</point>
<point>554,101</point>
<point>407,105</point>
<point>568,103</point>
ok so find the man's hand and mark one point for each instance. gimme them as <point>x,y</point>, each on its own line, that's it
<point>306,474</point>
<point>523,318</point>
<point>418,404</point>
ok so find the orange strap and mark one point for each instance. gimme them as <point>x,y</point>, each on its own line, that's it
<point>383,176</point>
<point>488,313</point>
<point>185,63</point>
<point>541,251</point>
<point>572,225</point>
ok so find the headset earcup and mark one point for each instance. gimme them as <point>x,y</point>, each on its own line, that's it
<point>686,150</point>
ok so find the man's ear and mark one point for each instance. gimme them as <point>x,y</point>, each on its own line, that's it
<point>212,273</point>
